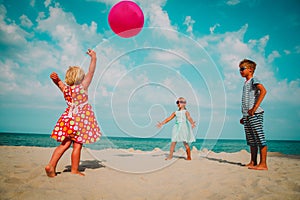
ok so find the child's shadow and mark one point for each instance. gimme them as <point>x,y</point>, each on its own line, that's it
<point>87,164</point>
<point>226,161</point>
<point>178,157</point>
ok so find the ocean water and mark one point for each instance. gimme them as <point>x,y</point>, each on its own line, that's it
<point>148,144</point>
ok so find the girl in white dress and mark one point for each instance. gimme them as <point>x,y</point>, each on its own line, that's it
<point>181,131</point>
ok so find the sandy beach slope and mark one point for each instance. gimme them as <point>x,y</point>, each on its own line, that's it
<point>128,174</point>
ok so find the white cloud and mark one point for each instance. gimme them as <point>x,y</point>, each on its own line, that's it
<point>3,12</point>
<point>26,61</point>
<point>47,3</point>
<point>107,2</point>
<point>263,43</point>
<point>260,44</point>
<point>25,21</point>
<point>157,17</point>
<point>213,28</point>
<point>233,2</point>
<point>114,74</point>
<point>284,91</point>
<point>297,49</point>
<point>62,26</point>
<point>7,71</point>
<point>22,84</point>
<point>231,49</point>
<point>189,22</point>
<point>272,56</point>
<point>169,57</point>
<point>41,15</point>
<point>71,37</point>
<point>12,35</point>
<point>32,3</point>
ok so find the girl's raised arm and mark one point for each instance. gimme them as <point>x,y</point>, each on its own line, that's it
<point>89,75</point>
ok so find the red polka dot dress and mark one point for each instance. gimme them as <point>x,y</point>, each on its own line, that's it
<point>78,122</point>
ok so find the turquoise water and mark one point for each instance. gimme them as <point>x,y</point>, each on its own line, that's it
<point>148,144</point>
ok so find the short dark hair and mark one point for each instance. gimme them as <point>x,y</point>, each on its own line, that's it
<point>249,63</point>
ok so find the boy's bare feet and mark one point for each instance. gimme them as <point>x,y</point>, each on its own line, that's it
<point>50,171</point>
<point>168,158</point>
<point>259,167</point>
<point>251,164</point>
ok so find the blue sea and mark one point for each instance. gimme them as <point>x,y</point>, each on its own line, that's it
<point>148,144</point>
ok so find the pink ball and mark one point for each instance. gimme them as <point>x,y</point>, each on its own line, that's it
<point>126,19</point>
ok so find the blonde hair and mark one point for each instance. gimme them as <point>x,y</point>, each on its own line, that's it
<point>249,64</point>
<point>74,75</point>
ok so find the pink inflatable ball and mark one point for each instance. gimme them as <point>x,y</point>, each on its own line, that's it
<point>126,19</point>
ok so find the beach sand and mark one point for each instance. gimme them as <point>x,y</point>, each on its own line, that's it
<point>128,174</point>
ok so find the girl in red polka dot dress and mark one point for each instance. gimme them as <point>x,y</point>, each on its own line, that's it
<point>77,124</point>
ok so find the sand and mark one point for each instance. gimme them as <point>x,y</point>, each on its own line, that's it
<point>128,174</point>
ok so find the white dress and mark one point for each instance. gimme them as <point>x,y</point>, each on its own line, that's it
<point>182,131</point>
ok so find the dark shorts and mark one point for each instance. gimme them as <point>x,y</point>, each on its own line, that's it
<point>253,126</point>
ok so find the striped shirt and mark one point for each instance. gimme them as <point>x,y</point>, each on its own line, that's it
<point>250,95</point>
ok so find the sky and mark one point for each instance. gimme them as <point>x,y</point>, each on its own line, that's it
<point>186,48</point>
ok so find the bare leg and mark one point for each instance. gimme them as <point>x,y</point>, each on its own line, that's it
<point>253,151</point>
<point>58,152</point>
<point>172,148</point>
<point>263,159</point>
<point>188,151</point>
<point>75,158</point>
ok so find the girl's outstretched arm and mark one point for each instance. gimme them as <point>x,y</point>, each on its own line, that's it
<point>188,116</point>
<point>89,75</point>
<point>57,81</point>
<point>160,124</point>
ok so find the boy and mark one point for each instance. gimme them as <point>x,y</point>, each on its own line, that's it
<point>253,94</point>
